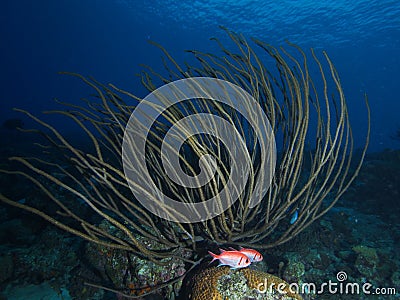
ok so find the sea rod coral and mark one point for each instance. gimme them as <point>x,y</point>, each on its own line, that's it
<point>307,113</point>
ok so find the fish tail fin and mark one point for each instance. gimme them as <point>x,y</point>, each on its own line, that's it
<point>214,256</point>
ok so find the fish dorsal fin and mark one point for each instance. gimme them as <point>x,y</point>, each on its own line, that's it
<point>222,250</point>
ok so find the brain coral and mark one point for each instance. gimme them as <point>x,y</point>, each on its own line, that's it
<point>223,283</point>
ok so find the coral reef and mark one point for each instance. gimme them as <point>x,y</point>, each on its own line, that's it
<point>133,274</point>
<point>340,242</point>
<point>367,260</point>
<point>220,283</point>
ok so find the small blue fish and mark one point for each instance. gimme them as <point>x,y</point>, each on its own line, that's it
<point>294,217</point>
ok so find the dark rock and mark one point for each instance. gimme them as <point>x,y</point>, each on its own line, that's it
<point>6,267</point>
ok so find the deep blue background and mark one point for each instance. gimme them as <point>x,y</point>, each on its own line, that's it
<point>109,39</point>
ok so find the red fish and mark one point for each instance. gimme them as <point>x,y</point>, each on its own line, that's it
<point>252,254</point>
<point>233,259</point>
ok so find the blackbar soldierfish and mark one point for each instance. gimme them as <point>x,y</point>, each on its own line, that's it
<point>252,254</point>
<point>233,259</point>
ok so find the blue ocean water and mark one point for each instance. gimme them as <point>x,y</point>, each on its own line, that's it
<point>108,40</point>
